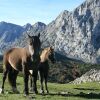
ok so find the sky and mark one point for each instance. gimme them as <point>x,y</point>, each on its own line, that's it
<point>31,11</point>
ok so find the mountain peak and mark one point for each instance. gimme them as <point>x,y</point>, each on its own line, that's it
<point>2,22</point>
<point>27,26</point>
<point>91,0</point>
<point>64,13</point>
<point>39,24</point>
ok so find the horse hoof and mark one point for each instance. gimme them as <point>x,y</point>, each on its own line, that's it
<point>1,91</point>
<point>36,92</point>
<point>25,95</point>
<point>41,91</point>
<point>31,90</point>
<point>47,91</point>
<point>15,91</point>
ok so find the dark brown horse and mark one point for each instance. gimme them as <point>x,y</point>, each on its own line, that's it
<point>22,59</point>
<point>47,54</point>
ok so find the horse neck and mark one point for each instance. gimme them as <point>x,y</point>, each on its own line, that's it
<point>31,50</point>
<point>44,56</point>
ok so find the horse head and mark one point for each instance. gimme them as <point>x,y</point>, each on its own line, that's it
<point>34,46</point>
<point>51,55</point>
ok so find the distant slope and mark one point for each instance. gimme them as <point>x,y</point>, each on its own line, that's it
<point>14,35</point>
<point>9,32</point>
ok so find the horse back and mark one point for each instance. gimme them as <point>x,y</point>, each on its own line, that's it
<point>15,57</point>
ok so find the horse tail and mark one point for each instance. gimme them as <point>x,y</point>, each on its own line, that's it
<point>4,62</point>
<point>7,66</point>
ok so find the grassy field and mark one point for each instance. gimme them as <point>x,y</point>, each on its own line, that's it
<point>85,91</point>
<point>57,91</point>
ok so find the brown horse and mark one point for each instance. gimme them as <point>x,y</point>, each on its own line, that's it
<point>47,54</point>
<point>22,59</point>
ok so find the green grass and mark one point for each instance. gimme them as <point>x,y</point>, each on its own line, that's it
<point>76,92</point>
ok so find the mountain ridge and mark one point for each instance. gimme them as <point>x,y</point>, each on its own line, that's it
<point>76,34</point>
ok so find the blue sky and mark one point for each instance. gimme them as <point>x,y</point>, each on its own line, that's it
<point>30,11</point>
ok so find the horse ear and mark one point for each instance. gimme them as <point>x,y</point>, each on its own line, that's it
<point>52,47</point>
<point>39,35</point>
<point>29,36</point>
<point>48,48</point>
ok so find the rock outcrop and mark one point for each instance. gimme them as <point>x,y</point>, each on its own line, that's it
<point>91,76</point>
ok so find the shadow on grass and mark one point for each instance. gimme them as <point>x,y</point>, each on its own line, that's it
<point>86,89</point>
<point>81,94</point>
<point>89,96</point>
<point>64,94</point>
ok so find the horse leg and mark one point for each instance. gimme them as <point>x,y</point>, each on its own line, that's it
<point>4,78</point>
<point>46,67</point>
<point>11,78</point>
<point>35,73</point>
<point>31,83</point>
<point>26,76</point>
<point>41,81</point>
<point>14,87</point>
<point>46,87</point>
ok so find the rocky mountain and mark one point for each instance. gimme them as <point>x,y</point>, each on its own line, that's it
<point>73,34</point>
<point>14,35</point>
<point>9,32</point>
<point>76,34</point>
